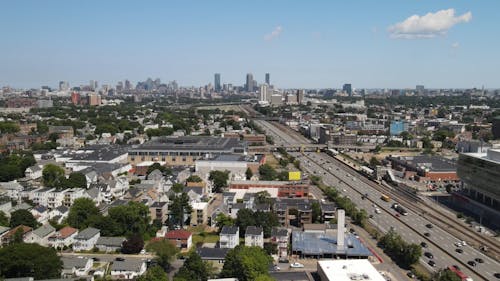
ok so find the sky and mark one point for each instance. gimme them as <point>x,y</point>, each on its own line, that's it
<point>302,44</point>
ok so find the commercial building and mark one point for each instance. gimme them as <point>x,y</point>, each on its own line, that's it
<point>217,84</point>
<point>237,165</point>
<point>249,83</point>
<point>285,188</point>
<point>426,168</point>
<point>347,88</point>
<point>183,151</point>
<point>397,127</point>
<point>268,79</point>
<point>348,270</point>
<point>480,174</point>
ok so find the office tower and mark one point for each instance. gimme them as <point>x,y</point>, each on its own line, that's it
<point>250,83</point>
<point>420,88</point>
<point>263,92</point>
<point>93,85</point>
<point>128,85</point>
<point>217,82</point>
<point>63,86</point>
<point>300,96</point>
<point>347,88</point>
<point>268,79</point>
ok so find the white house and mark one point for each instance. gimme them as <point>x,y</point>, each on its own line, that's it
<point>40,235</point>
<point>128,269</point>
<point>86,239</point>
<point>33,172</point>
<point>229,237</point>
<point>41,213</point>
<point>75,266</point>
<point>63,238</point>
<point>59,214</point>
<point>12,189</point>
<point>254,236</point>
<point>109,244</point>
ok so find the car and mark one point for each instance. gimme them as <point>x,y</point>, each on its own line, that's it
<point>143,251</point>
<point>296,265</point>
<point>458,244</point>
<point>119,259</point>
<point>427,234</point>
<point>429,255</point>
<point>410,274</point>
<point>471,263</point>
<point>423,244</point>
<point>428,225</point>
<point>432,263</point>
<point>377,210</point>
<point>464,243</point>
<point>458,250</point>
<point>479,260</point>
<point>497,275</point>
<point>283,260</point>
<point>276,268</point>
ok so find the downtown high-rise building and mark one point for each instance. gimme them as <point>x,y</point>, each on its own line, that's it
<point>347,88</point>
<point>250,83</point>
<point>268,79</point>
<point>264,92</point>
<point>217,84</point>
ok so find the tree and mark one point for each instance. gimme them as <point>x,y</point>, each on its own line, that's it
<point>155,273</point>
<point>4,220</point>
<point>374,162</point>
<point>179,207</point>
<point>193,269</point>
<point>177,187</point>
<point>249,174</point>
<point>23,260</point>
<point>165,252</point>
<point>194,178</point>
<point>245,218</point>
<point>81,213</point>
<point>446,275</point>
<point>263,197</point>
<point>77,180</point>
<point>133,245</point>
<point>219,178</point>
<point>22,217</point>
<point>222,220</point>
<point>246,263</point>
<point>131,218</point>
<point>316,212</point>
<point>267,172</point>
<point>157,166</point>
<point>52,175</point>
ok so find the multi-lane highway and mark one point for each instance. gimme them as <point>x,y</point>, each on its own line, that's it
<point>413,228</point>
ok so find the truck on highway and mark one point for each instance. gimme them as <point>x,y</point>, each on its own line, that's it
<point>399,209</point>
<point>385,198</point>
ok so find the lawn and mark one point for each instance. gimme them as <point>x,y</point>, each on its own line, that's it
<point>205,238</point>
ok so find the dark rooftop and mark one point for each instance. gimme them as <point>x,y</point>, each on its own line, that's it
<point>192,143</point>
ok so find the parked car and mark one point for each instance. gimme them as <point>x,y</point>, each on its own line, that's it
<point>458,250</point>
<point>471,263</point>
<point>479,260</point>
<point>432,263</point>
<point>296,265</point>
<point>429,255</point>
<point>428,225</point>
<point>427,234</point>
<point>119,259</point>
<point>423,244</point>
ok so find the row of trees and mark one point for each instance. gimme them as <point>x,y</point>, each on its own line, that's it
<point>403,253</point>
<point>13,166</point>
<point>23,260</point>
<point>247,217</point>
<point>358,216</point>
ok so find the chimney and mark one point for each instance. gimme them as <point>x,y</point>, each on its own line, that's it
<point>340,229</point>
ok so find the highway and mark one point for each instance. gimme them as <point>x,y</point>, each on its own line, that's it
<point>412,227</point>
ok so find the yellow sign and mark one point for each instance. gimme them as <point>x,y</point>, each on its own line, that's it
<point>294,176</point>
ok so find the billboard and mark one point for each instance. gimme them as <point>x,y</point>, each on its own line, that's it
<point>294,176</point>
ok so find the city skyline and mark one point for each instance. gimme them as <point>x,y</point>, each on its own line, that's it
<point>393,44</point>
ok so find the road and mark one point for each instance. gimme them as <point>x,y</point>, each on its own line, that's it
<point>440,242</point>
<point>411,228</point>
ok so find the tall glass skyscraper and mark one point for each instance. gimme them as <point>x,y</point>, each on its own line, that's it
<point>249,84</point>
<point>268,79</point>
<point>217,82</point>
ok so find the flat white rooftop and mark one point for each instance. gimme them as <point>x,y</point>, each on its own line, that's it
<point>348,270</point>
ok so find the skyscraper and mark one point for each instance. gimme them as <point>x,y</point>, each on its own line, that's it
<point>217,82</point>
<point>249,84</point>
<point>263,92</point>
<point>268,79</point>
<point>347,88</point>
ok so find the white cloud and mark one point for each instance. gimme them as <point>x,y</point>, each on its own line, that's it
<point>428,26</point>
<point>455,45</point>
<point>275,33</point>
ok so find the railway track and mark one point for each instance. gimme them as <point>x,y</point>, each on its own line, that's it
<point>479,274</point>
<point>437,217</point>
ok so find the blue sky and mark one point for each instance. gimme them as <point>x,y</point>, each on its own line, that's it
<point>306,44</point>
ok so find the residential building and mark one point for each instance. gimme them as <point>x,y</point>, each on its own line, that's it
<point>86,239</point>
<point>229,237</point>
<point>34,172</point>
<point>281,237</point>
<point>10,235</point>
<point>215,255</point>
<point>109,244</point>
<point>254,236</point>
<point>75,266</point>
<point>181,238</point>
<point>199,214</point>
<point>303,214</point>
<point>40,235</point>
<point>128,269</point>
<point>159,211</point>
<point>63,238</point>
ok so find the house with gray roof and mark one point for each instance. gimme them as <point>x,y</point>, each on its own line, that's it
<point>40,235</point>
<point>128,269</point>
<point>254,236</point>
<point>75,266</point>
<point>86,239</point>
<point>229,237</point>
<point>109,244</point>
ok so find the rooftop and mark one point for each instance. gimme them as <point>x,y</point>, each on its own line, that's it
<point>87,233</point>
<point>254,230</point>
<point>74,262</point>
<point>348,270</point>
<point>320,244</point>
<point>232,230</point>
<point>127,265</point>
<point>178,234</point>
<point>191,143</point>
